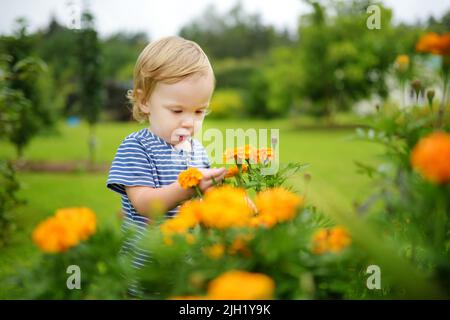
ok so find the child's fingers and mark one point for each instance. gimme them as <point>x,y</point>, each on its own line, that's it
<point>207,184</point>
<point>210,173</point>
<point>219,172</point>
<point>221,177</point>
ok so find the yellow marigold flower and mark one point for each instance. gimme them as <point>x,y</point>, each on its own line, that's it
<point>338,239</point>
<point>174,225</point>
<point>431,157</point>
<point>320,241</point>
<point>231,172</point>
<point>234,170</point>
<point>277,203</point>
<point>434,43</point>
<point>54,235</point>
<point>187,217</point>
<point>250,153</point>
<point>264,220</point>
<point>241,285</point>
<point>189,178</point>
<point>215,251</point>
<point>330,240</point>
<point>190,212</point>
<point>240,154</point>
<point>265,154</point>
<point>65,229</point>
<point>82,220</point>
<point>402,63</point>
<point>225,207</point>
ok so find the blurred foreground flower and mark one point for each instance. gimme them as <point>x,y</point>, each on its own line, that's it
<point>276,205</point>
<point>225,207</point>
<point>65,229</point>
<point>228,207</point>
<point>241,285</point>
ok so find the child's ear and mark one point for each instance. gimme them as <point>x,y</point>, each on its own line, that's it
<point>143,105</point>
<point>145,108</point>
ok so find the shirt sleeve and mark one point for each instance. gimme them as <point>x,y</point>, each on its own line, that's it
<point>131,167</point>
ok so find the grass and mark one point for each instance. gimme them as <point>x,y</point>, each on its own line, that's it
<point>331,155</point>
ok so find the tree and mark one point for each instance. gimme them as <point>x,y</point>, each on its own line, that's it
<point>342,60</point>
<point>91,83</point>
<point>235,34</point>
<point>24,98</point>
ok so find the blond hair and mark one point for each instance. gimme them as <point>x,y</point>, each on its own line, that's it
<point>168,60</point>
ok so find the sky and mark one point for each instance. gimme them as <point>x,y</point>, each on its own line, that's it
<point>165,17</point>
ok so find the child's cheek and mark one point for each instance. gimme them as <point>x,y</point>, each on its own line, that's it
<point>198,125</point>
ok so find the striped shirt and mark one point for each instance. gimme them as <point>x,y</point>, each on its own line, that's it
<point>145,159</point>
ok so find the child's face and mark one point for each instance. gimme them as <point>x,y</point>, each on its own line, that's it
<point>177,110</point>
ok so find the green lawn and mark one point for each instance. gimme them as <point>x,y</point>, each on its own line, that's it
<point>331,155</point>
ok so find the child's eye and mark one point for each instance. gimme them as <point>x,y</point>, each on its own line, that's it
<point>177,111</point>
<point>200,111</point>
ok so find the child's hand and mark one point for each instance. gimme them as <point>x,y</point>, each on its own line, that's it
<point>208,174</point>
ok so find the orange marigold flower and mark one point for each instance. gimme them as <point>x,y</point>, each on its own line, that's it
<point>263,220</point>
<point>250,153</point>
<point>241,285</point>
<point>434,43</point>
<point>320,241</point>
<point>175,225</point>
<point>431,157</point>
<point>338,239</point>
<point>240,154</point>
<point>331,240</point>
<point>65,229</point>
<point>232,171</point>
<point>54,235</point>
<point>265,154</point>
<point>190,212</point>
<point>215,251</point>
<point>82,220</point>
<point>225,207</point>
<point>277,204</point>
<point>187,217</point>
<point>189,178</point>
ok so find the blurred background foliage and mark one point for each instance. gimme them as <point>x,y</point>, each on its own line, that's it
<point>276,72</point>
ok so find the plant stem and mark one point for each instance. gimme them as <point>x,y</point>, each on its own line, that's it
<point>441,111</point>
<point>199,193</point>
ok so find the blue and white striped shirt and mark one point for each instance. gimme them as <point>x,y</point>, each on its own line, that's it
<point>145,159</point>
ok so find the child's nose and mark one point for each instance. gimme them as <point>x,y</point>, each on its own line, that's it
<point>188,122</point>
